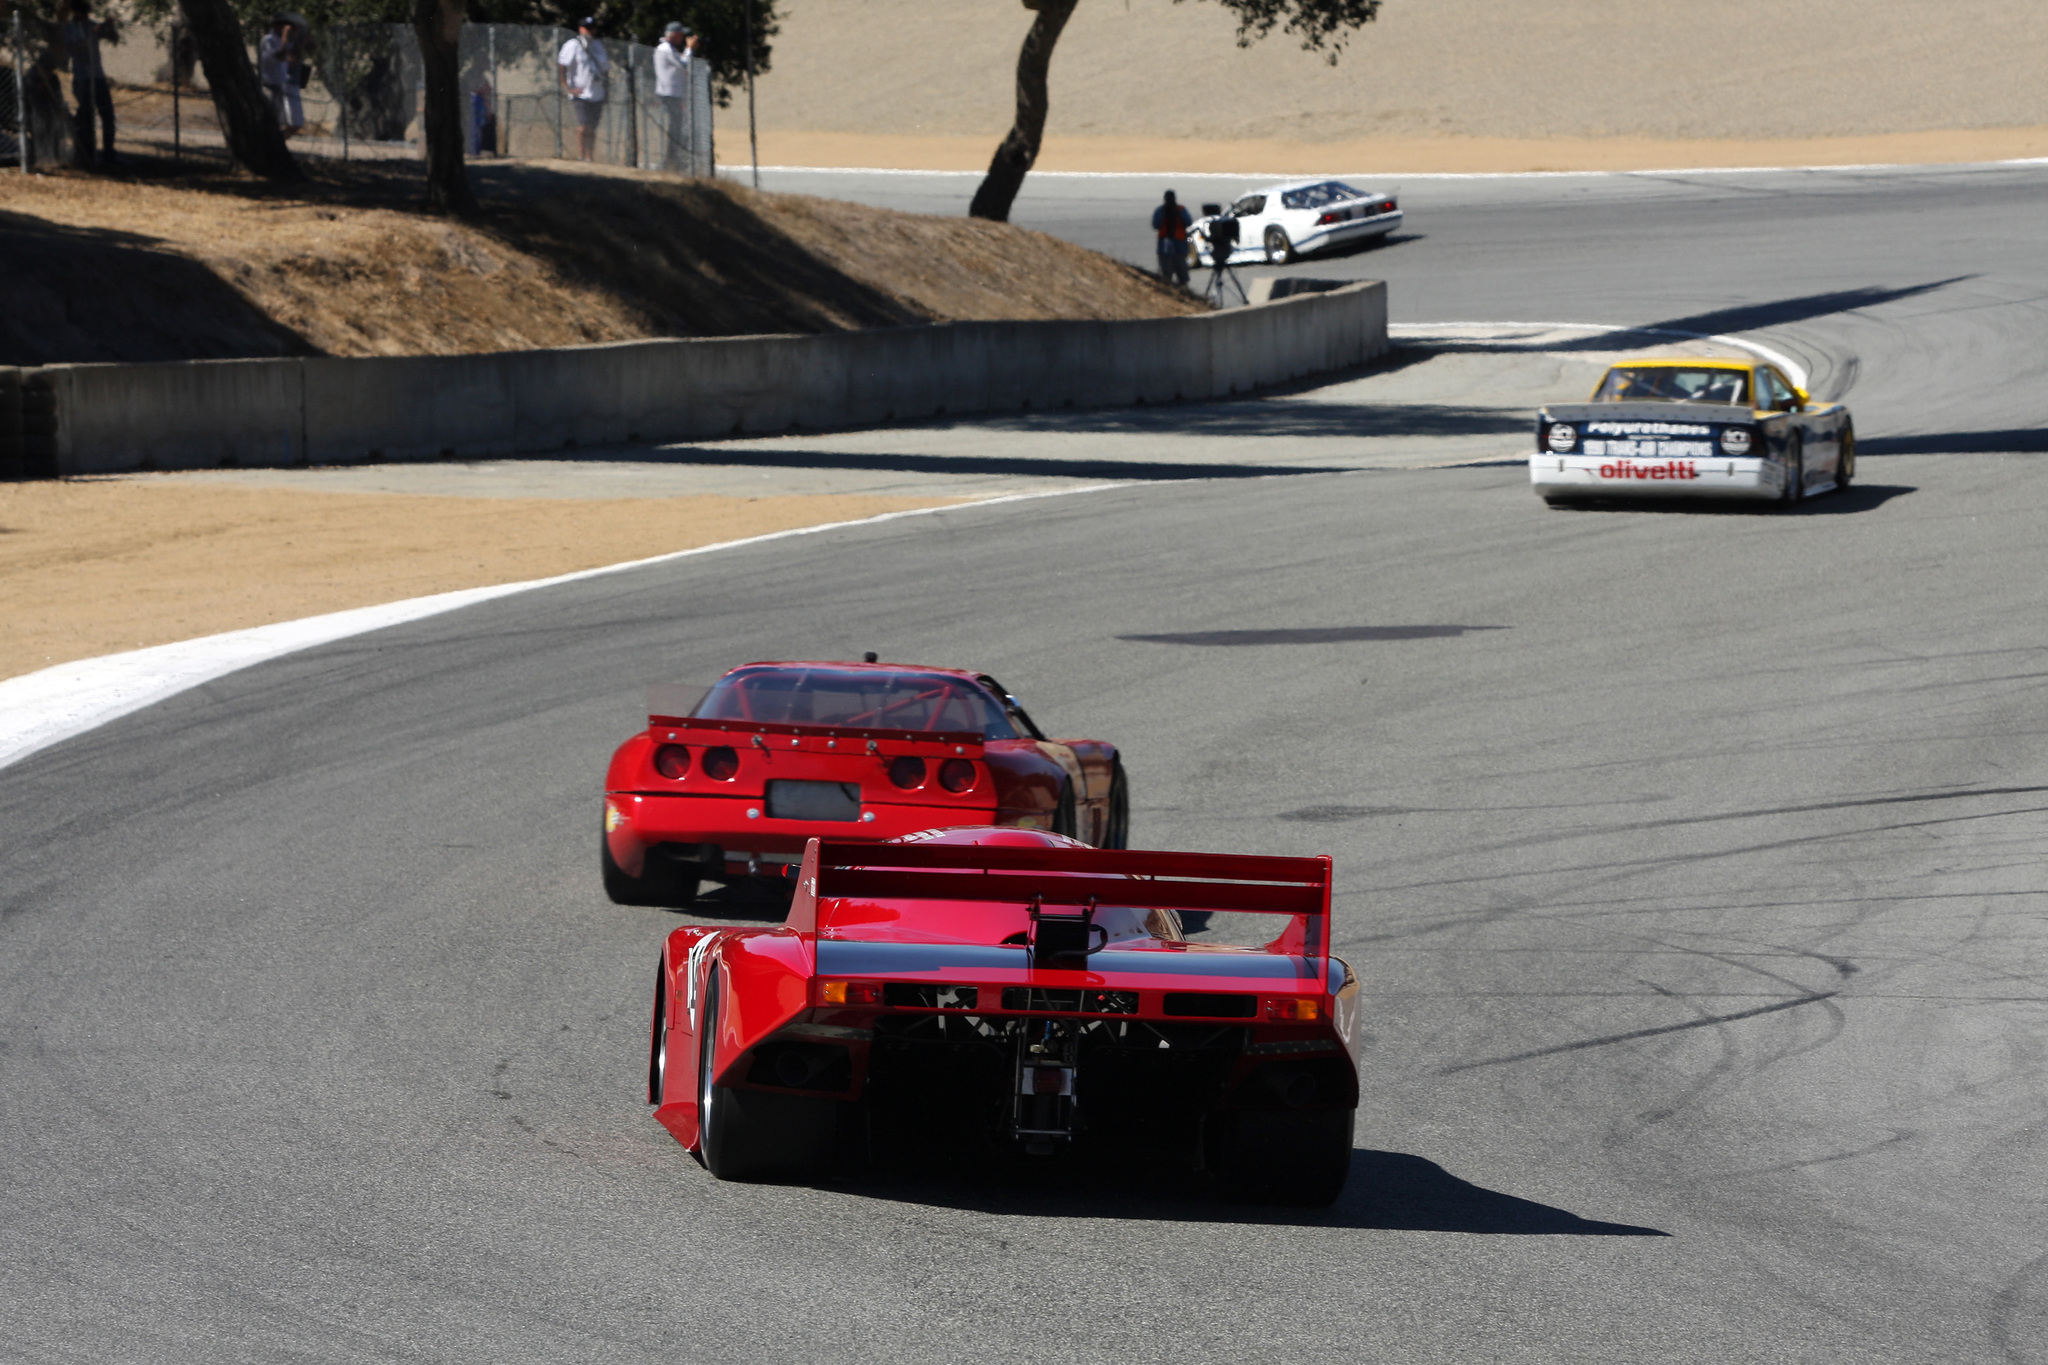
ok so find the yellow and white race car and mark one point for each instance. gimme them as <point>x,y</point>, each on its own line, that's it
<point>1709,427</point>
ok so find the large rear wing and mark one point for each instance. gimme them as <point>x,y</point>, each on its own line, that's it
<point>1298,887</point>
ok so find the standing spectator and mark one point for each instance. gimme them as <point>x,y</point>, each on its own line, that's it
<point>672,58</point>
<point>274,67</point>
<point>583,66</point>
<point>1170,224</point>
<point>81,37</point>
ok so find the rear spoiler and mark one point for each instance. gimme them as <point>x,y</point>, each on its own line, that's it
<point>1298,887</point>
<point>674,727</point>
<point>1673,414</point>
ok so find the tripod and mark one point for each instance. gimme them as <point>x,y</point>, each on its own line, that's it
<point>1222,279</point>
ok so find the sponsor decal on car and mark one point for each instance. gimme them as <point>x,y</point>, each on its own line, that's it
<point>1671,469</point>
<point>1651,450</point>
<point>1607,428</point>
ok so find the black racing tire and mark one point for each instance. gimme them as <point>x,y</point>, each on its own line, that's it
<point>1795,473</point>
<point>755,1134</point>
<point>1279,251</point>
<point>1845,463</point>
<point>1116,831</point>
<point>1065,819</point>
<point>1295,1157</point>
<point>657,1046</point>
<point>661,883</point>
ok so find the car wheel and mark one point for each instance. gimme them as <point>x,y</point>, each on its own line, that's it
<point>1845,463</point>
<point>1064,819</point>
<point>755,1134</point>
<point>1279,251</point>
<point>661,883</point>
<point>1116,831</point>
<point>1296,1157</point>
<point>1795,474</point>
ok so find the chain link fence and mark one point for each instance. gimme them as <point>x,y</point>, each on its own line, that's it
<point>364,96</point>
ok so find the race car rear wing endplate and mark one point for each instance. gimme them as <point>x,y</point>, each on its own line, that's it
<point>1068,876</point>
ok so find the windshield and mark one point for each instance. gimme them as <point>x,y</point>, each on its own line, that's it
<point>1317,196</point>
<point>1673,384</point>
<point>858,698</point>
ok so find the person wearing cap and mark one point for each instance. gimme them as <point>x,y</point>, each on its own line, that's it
<point>583,65</point>
<point>672,58</point>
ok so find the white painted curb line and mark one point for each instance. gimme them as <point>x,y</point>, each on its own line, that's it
<point>44,708</point>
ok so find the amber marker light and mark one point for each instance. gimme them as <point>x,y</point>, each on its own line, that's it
<point>1297,1009</point>
<point>849,993</point>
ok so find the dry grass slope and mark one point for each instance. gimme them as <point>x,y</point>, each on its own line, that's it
<point>217,266</point>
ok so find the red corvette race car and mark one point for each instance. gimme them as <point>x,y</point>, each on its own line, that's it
<point>1006,991</point>
<point>776,753</point>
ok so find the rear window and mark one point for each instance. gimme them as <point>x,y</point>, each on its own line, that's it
<point>1673,384</point>
<point>855,698</point>
<point>1320,196</point>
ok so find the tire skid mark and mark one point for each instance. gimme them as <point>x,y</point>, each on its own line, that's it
<point>1633,1034</point>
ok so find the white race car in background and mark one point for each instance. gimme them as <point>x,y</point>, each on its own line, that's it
<point>1283,222</point>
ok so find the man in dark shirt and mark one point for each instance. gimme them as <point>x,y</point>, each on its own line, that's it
<point>81,37</point>
<point>1170,224</point>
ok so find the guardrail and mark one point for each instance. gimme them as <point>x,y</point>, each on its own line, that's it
<point>330,410</point>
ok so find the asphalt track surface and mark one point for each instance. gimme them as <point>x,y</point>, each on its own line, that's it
<point>1691,863</point>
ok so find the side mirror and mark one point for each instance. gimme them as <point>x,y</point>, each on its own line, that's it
<point>1803,396</point>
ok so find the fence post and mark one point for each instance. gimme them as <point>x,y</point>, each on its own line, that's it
<point>500,132</point>
<point>341,95</point>
<point>632,111</point>
<point>20,97</point>
<point>753,141</point>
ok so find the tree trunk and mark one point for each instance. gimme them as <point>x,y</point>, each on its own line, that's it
<point>246,118</point>
<point>439,26</point>
<point>1014,158</point>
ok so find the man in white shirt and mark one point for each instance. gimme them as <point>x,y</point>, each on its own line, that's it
<point>273,67</point>
<point>672,58</point>
<point>583,66</point>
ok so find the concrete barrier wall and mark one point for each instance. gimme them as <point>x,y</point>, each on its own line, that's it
<point>201,414</point>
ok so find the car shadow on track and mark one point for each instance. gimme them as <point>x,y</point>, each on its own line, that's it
<point>1862,497</point>
<point>1387,1191</point>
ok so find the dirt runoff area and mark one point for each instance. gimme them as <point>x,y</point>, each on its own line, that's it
<point>101,565</point>
<point>1431,85</point>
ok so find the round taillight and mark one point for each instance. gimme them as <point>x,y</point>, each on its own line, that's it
<point>1561,437</point>
<point>719,764</point>
<point>906,772</point>
<point>956,775</point>
<point>672,760</point>
<point>1735,440</point>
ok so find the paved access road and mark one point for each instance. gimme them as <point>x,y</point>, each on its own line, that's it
<point>1691,863</point>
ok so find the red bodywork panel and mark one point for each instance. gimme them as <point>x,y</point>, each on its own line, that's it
<point>1015,782</point>
<point>916,924</point>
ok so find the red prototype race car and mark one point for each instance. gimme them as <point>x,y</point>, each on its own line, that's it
<point>1006,991</point>
<point>776,753</point>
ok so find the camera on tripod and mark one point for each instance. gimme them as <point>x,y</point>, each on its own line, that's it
<point>1222,233</point>
<point>1221,230</point>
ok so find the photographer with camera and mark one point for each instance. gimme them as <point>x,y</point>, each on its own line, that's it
<point>1170,224</point>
